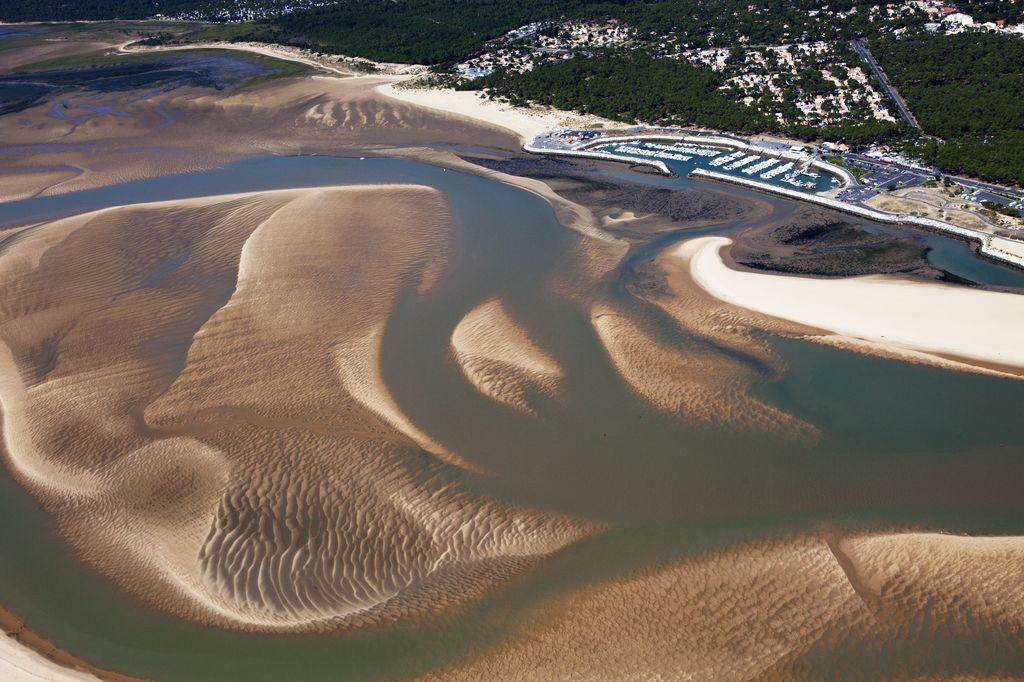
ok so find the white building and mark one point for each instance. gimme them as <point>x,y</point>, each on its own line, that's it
<point>959,18</point>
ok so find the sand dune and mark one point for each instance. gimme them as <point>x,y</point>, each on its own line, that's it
<point>500,359</point>
<point>944,321</point>
<point>203,413</point>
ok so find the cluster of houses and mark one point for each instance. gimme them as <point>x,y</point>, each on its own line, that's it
<point>769,77</point>
<point>944,17</point>
<point>248,10</point>
<point>765,76</point>
<point>524,48</point>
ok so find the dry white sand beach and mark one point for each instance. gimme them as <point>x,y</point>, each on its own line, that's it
<point>899,314</point>
<point>18,663</point>
<point>527,123</point>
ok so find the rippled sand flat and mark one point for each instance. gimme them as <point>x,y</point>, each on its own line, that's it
<point>501,360</point>
<point>694,379</point>
<point>188,129</point>
<point>791,608</point>
<point>190,387</point>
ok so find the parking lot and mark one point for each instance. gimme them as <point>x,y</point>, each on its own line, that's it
<point>878,177</point>
<point>979,196</point>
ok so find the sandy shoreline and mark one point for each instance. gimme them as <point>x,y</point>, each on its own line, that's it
<point>527,123</point>
<point>932,318</point>
<point>19,663</point>
<point>276,52</point>
<point>25,656</point>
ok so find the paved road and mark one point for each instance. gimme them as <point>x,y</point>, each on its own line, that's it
<point>861,47</point>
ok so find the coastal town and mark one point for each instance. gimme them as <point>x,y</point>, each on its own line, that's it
<point>805,82</point>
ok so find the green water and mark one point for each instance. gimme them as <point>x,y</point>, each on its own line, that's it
<point>901,445</point>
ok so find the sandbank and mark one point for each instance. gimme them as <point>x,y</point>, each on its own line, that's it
<point>934,318</point>
<point>785,608</point>
<point>269,279</point>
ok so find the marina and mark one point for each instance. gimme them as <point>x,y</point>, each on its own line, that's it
<point>778,170</point>
<point>684,159</point>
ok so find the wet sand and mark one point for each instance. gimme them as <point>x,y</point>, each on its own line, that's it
<point>175,445</point>
<point>501,360</point>
<point>25,656</point>
<point>791,608</point>
<point>188,129</point>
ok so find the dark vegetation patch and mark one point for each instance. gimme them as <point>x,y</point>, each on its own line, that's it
<point>678,205</point>
<point>439,31</point>
<point>821,243</point>
<point>82,10</point>
<point>628,87</point>
<point>19,96</point>
<point>584,183</point>
<point>966,89</point>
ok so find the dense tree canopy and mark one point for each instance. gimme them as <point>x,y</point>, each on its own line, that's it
<point>966,89</point>
<point>632,87</point>
<point>422,31</point>
<point>433,31</point>
<point>629,87</point>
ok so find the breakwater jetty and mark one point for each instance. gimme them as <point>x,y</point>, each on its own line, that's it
<point>994,247</point>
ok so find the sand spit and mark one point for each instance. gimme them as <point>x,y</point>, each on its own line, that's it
<point>696,382</point>
<point>602,251</point>
<point>498,357</point>
<point>265,49</point>
<point>971,326</point>
<point>917,607</point>
<point>197,409</point>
